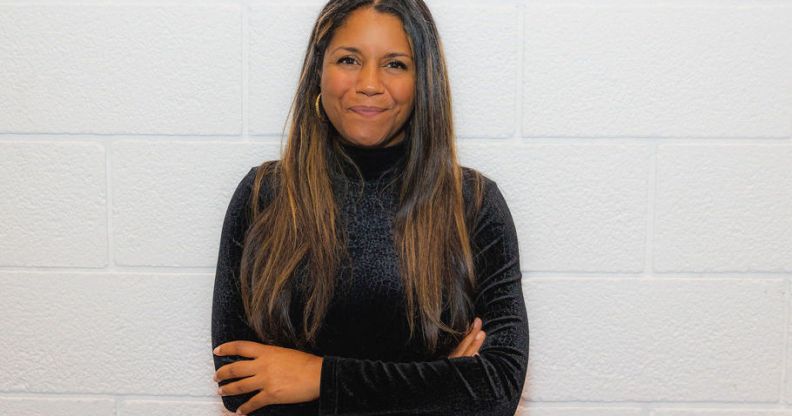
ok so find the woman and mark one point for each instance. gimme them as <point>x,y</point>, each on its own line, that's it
<point>350,270</point>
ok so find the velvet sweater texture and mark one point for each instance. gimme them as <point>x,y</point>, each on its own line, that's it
<point>369,368</point>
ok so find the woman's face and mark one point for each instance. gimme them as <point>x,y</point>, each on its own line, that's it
<point>368,78</point>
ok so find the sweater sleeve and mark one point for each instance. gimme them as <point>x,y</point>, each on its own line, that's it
<point>228,315</point>
<point>489,384</point>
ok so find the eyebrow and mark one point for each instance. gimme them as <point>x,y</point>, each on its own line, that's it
<point>356,50</point>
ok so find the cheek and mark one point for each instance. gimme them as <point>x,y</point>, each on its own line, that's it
<point>403,91</point>
<point>336,83</point>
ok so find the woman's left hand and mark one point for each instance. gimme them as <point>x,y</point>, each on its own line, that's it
<point>283,375</point>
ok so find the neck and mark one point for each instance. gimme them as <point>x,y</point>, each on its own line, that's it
<point>374,161</point>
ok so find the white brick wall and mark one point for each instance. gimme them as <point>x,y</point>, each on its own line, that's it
<point>644,147</point>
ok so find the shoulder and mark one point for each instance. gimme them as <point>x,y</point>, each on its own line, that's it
<point>240,201</point>
<point>475,182</point>
<point>472,178</point>
<point>267,169</point>
<point>483,192</point>
<point>245,184</point>
<point>265,172</point>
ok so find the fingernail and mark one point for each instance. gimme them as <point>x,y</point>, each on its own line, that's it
<point>478,321</point>
<point>479,336</point>
<point>215,350</point>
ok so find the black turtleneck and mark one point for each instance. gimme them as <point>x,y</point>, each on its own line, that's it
<point>370,366</point>
<point>374,161</point>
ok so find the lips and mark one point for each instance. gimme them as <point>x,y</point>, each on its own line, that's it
<point>367,110</point>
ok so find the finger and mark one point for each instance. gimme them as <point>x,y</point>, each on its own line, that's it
<point>256,402</point>
<point>245,385</point>
<point>460,348</point>
<point>465,343</point>
<point>236,369</point>
<point>464,346</point>
<point>477,343</point>
<point>243,348</point>
<point>468,339</point>
<point>476,324</point>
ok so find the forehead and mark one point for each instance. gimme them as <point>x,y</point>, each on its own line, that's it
<point>371,32</point>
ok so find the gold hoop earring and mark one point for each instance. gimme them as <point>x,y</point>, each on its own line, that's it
<point>318,113</point>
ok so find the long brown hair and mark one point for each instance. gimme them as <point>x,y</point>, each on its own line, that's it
<point>298,229</point>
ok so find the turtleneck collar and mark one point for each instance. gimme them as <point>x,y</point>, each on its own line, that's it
<point>374,161</point>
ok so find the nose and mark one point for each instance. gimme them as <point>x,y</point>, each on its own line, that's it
<point>368,80</point>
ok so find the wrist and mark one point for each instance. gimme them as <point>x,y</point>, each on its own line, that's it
<point>316,375</point>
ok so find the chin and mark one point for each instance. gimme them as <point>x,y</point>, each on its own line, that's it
<point>365,140</point>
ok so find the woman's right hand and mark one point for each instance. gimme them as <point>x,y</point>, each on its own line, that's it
<point>470,345</point>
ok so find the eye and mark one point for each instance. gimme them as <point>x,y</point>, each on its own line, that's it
<point>346,59</point>
<point>399,64</point>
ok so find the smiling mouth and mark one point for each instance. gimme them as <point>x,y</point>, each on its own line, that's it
<point>367,113</point>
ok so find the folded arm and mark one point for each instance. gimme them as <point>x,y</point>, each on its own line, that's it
<point>489,384</point>
<point>228,315</point>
